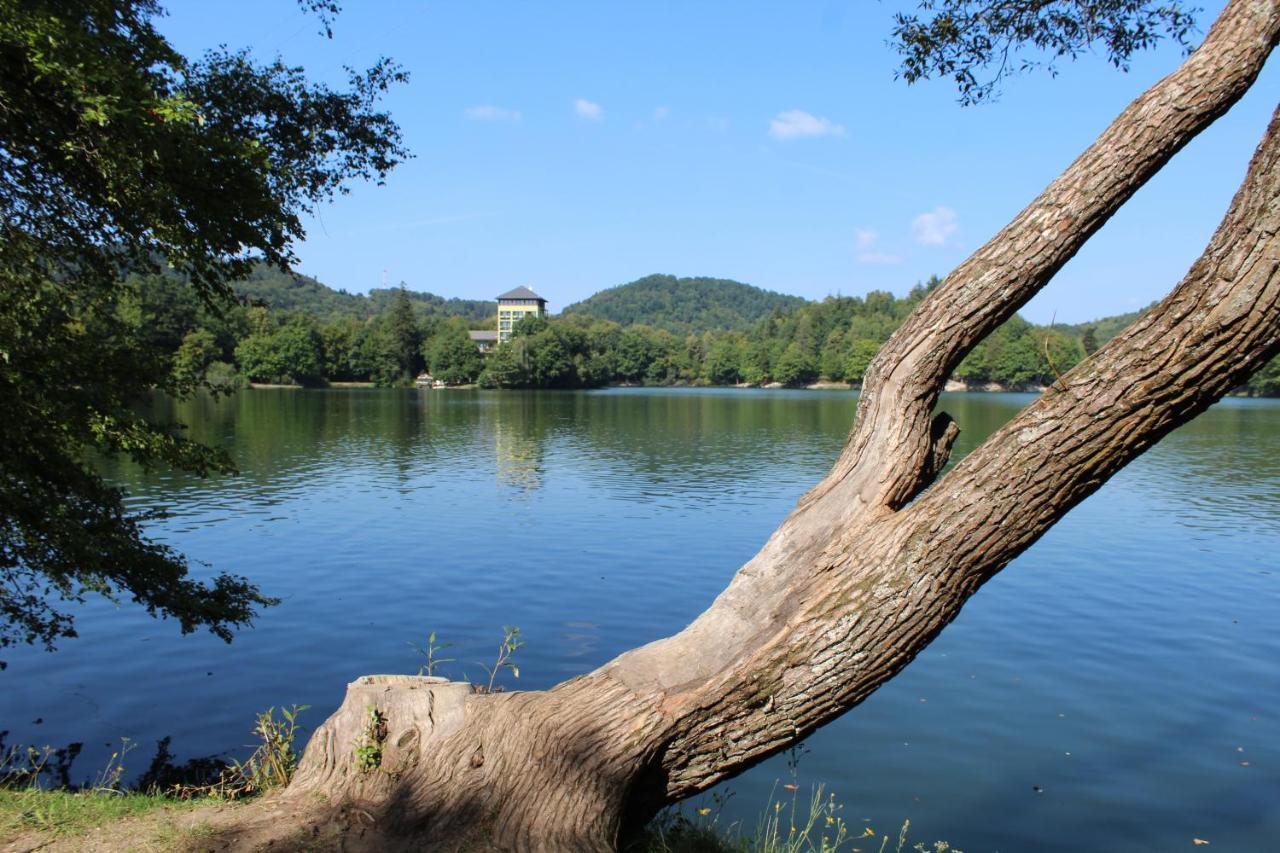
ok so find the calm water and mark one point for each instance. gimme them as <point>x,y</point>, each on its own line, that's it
<point>1128,664</point>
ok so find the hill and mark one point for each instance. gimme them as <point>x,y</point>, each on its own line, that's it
<point>1104,328</point>
<point>685,305</point>
<point>304,294</point>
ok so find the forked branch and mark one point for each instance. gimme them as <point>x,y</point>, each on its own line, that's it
<point>885,587</point>
<point>890,443</point>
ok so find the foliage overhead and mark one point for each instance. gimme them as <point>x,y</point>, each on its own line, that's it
<point>977,43</point>
<point>120,157</point>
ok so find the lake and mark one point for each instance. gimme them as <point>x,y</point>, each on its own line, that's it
<point>1116,688</point>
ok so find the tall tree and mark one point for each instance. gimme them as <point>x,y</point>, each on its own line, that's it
<point>407,336</point>
<point>110,143</point>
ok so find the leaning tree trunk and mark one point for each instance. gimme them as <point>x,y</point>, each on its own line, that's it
<point>872,563</point>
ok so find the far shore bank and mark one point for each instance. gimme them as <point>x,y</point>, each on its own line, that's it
<point>952,386</point>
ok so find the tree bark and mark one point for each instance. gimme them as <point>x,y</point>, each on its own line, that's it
<point>872,563</point>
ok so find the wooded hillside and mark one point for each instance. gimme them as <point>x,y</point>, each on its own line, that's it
<point>684,305</point>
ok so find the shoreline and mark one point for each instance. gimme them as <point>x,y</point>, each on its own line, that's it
<point>953,386</point>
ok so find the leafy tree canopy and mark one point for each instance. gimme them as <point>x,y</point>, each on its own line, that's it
<point>978,43</point>
<point>452,357</point>
<point>120,156</point>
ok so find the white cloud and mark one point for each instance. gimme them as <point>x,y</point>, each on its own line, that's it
<point>488,112</point>
<point>796,124</point>
<point>935,228</point>
<point>879,259</point>
<point>588,109</point>
<point>865,238</point>
<point>660,113</point>
<point>719,124</point>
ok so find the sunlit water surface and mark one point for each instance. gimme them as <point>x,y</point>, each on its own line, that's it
<point>1116,688</point>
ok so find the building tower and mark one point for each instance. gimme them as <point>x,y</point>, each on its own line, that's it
<point>514,306</point>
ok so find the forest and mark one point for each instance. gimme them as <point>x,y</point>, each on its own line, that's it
<point>289,329</point>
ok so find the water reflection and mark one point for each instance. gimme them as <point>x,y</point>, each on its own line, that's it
<point>519,443</point>
<point>285,441</point>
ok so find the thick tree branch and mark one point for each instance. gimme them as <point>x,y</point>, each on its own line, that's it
<point>1218,327</point>
<point>890,444</point>
<point>892,447</point>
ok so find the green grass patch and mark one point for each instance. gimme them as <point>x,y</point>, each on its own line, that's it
<point>66,813</point>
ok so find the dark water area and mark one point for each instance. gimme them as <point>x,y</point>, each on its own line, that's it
<point>1117,687</point>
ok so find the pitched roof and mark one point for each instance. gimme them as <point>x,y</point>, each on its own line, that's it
<point>521,292</point>
<point>483,335</point>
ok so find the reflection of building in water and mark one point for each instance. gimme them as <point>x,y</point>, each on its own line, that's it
<point>518,452</point>
<point>514,306</point>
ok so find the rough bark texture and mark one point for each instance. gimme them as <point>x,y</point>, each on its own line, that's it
<point>872,563</point>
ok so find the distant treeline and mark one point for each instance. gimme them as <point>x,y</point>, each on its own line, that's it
<point>295,330</point>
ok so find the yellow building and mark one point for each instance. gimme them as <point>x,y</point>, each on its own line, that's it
<point>514,306</point>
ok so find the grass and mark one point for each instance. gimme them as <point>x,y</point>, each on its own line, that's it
<point>63,814</point>
<point>37,798</point>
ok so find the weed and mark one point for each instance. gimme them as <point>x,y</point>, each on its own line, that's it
<point>108,779</point>
<point>369,745</point>
<point>789,824</point>
<point>790,828</point>
<point>271,765</point>
<point>430,653</point>
<point>676,832</point>
<point>273,762</point>
<point>26,766</point>
<point>25,805</point>
<point>511,643</point>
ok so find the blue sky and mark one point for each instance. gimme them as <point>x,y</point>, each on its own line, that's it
<point>573,146</point>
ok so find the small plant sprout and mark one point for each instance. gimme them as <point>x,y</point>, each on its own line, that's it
<point>369,746</point>
<point>511,643</point>
<point>25,766</point>
<point>277,737</point>
<point>432,654</point>
<point>108,779</point>
<point>272,763</point>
